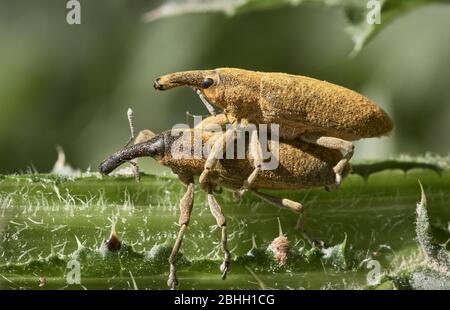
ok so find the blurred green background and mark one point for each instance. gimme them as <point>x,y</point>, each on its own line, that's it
<point>71,85</point>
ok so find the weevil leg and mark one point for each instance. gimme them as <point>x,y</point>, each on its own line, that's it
<point>135,169</point>
<point>134,162</point>
<point>256,152</point>
<point>215,154</point>
<point>186,205</point>
<point>346,148</point>
<point>294,206</point>
<point>216,211</point>
<point>284,203</point>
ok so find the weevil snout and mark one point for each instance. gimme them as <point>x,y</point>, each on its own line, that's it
<point>109,164</point>
<point>153,147</point>
<point>157,86</point>
<point>204,82</point>
<point>198,79</point>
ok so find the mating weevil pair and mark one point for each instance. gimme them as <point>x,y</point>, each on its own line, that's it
<point>314,118</point>
<point>301,165</point>
<point>314,111</point>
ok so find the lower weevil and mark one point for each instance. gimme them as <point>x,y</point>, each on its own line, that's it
<point>301,165</point>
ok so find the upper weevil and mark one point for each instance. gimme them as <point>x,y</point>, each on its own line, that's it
<point>315,111</point>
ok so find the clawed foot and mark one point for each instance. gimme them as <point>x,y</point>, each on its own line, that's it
<point>314,242</point>
<point>172,282</point>
<point>225,267</point>
<point>318,243</point>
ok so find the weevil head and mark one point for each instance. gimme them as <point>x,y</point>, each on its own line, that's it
<point>198,79</point>
<point>153,148</point>
<point>221,88</point>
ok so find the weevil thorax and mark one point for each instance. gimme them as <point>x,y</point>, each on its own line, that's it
<point>183,151</point>
<point>237,92</point>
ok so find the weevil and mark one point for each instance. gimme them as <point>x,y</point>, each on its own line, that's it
<point>314,111</point>
<point>301,165</point>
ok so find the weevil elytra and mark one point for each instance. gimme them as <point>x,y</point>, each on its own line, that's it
<point>315,111</point>
<point>301,165</point>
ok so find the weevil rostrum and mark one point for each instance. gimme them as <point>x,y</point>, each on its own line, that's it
<point>314,111</point>
<point>301,165</point>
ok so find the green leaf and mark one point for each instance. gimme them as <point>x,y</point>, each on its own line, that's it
<point>435,253</point>
<point>335,255</point>
<point>355,11</point>
<point>433,273</point>
<point>48,220</point>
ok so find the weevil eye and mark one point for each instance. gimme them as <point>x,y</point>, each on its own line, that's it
<point>207,83</point>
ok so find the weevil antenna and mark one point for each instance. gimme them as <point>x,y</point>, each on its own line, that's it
<point>133,162</point>
<point>130,116</point>
<point>208,105</point>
